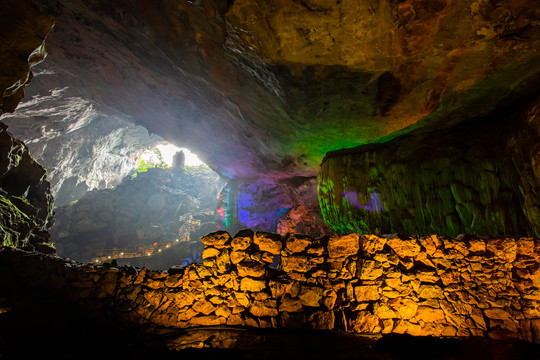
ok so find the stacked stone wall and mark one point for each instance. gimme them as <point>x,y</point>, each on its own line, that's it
<point>439,286</point>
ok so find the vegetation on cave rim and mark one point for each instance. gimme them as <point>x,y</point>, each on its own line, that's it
<point>158,162</point>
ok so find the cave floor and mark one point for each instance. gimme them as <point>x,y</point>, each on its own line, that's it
<point>37,327</point>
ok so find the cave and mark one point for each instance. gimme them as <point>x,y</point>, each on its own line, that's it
<point>367,180</point>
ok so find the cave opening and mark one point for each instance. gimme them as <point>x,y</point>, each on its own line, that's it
<point>384,158</point>
<point>153,217</point>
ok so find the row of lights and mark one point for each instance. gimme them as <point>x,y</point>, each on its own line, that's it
<point>148,254</point>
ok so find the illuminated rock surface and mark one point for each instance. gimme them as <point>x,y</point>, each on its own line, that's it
<point>441,287</point>
<point>422,286</point>
<point>288,81</point>
<point>481,177</point>
<point>263,91</point>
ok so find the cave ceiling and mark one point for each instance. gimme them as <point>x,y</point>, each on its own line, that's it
<point>267,88</point>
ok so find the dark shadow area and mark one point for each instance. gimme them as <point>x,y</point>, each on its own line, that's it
<point>37,324</point>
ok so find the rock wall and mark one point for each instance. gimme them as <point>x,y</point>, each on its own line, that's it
<point>368,284</point>
<point>481,177</point>
<point>23,30</point>
<point>81,148</point>
<point>268,88</point>
<point>25,199</point>
<point>288,205</point>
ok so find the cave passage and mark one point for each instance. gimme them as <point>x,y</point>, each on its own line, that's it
<point>153,217</point>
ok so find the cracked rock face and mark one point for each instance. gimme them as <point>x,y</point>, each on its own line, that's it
<point>23,32</point>
<point>267,89</point>
<point>25,199</point>
<point>82,149</point>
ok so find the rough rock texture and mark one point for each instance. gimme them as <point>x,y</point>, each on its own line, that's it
<point>25,199</point>
<point>288,81</point>
<point>23,33</point>
<point>368,284</point>
<point>81,148</point>
<point>290,205</point>
<point>262,91</point>
<point>480,177</point>
<point>149,214</point>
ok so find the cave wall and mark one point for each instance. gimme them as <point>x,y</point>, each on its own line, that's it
<point>481,177</point>
<point>288,205</point>
<point>81,147</point>
<point>25,199</point>
<point>286,81</point>
<point>23,33</point>
<point>440,286</point>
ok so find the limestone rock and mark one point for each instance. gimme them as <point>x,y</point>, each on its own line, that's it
<point>371,270</point>
<point>365,323</point>
<point>372,244</point>
<point>235,320</point>
<point>204,306</point>
<point>238,256</point>
<point>496,313</point>
<point>280,289</point>
<point>406,308</point>
<point>428,314</point>
<point>431,243</point>
<point>251,269</point>
<point>298,263</point>
<point>216,239</point>
<point>264,308</point>
<point>223,262</point>
<point>367,293</point>
<point>343,245</point>
<point>404,248</point>
<point>210,252</point>
<point>242,240</point>
<point>297,243</point>
<point>503,248</point>
<point>322,320</point>
<point>385,312</point>
<point>252,285</point>
<point>268,242</point>
<point>310,296</point>
<point>430,292</point>
<point>290,305</point>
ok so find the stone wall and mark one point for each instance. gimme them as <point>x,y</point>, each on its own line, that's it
<point>368,284</point>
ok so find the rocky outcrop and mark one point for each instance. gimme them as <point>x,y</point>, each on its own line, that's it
<point>23,33</point>
<point>25,199</point>
<point>290,205</point>
<point>439,286</point>
<point>81,148</point>
<point>481,177</point>
<point>149,213</point>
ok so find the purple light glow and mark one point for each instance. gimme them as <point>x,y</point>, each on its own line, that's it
<point>374,204</point>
